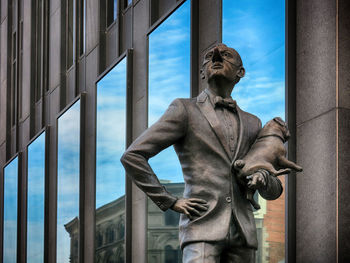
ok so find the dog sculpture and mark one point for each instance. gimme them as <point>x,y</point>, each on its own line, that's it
<point>267,152</point>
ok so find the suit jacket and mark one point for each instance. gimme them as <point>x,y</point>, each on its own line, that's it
<point>192,126</point>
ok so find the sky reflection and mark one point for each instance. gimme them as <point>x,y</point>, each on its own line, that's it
<point>10,211</point>
<point>111,132</point>
<point>169,78</point>
<point>68,162</point>
<point>256,31</point>
<point>36,200</point>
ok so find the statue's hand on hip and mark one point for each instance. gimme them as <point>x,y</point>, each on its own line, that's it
<point>190,206</point>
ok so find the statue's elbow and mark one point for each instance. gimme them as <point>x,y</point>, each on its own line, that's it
<point>125,158</point>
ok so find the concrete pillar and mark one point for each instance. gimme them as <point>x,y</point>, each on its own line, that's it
<point>322,131</point>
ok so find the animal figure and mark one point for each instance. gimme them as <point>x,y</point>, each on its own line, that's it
<point>267,152</point>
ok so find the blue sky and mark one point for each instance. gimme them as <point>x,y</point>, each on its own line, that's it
<point>255,29</point>
<point>10,211</point>
<point>36,200</point>
<point>169,78</point>
<point>68,159</point>
<point>111,131</point>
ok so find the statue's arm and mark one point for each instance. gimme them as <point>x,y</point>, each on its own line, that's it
<point>269,186</point>
<point>166,131</point>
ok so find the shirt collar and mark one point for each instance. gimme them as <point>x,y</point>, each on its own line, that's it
<point>211,95</point>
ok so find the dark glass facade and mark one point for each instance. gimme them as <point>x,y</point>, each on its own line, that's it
<point>80,80</point>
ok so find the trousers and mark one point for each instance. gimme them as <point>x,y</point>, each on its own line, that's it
<point>230,250</point>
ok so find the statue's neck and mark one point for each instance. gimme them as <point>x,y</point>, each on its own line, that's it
<point>220,87</point>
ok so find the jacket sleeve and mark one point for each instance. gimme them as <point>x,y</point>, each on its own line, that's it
<point>273,188</point>
<point>166,131</point>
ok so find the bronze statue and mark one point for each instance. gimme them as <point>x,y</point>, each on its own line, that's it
<point>209,133</point>
<point>268,153</point>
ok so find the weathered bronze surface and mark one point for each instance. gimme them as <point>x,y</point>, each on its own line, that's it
<point>214,140</point>
<point>267,153</point>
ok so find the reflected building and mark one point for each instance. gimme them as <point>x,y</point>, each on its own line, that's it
<point>163,234</point>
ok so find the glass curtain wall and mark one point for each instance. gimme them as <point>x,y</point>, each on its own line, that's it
<point>68,175</point>
<point>110,174</point>
<point>169,78</point>
<point>10,212</point>
<point>36,200</point>
<point>256,29</point>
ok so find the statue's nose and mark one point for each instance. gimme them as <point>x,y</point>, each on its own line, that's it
<point>216,55</point>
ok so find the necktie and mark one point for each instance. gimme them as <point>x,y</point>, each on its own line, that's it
<point>227,103</point>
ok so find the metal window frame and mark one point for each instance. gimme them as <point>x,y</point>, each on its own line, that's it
<point>290,109</point>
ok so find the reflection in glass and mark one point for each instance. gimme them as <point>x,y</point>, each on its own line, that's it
<point>10,212</point>
<point>111,11</point>
<point>169,78</point>
<point>68,163</point>
<point>70,33</point>
<point>36,200</point>
<point>110,175</point>
<point>256,29</point>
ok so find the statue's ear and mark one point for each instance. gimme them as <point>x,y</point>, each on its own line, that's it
<point>201,72</point>
<point>241,72</point>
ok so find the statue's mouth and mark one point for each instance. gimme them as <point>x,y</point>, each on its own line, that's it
<point>217,66</point>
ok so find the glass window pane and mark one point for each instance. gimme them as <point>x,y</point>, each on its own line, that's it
<point>68,163</point>
<point>110,174</point>
<point>111,11</point>
<point>82,26</point>
<point>70,32</point>
<point>256,29</point>
<point>36,200</point>
<point>169,78</point>
<point>10,212</point>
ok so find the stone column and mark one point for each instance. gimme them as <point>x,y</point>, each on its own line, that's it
<point>322,130</point>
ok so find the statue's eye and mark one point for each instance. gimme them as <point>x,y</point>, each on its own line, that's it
<point>209,55</point>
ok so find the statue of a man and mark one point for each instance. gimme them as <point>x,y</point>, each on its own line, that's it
<point>209,133</point>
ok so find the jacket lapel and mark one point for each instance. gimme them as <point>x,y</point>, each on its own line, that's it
<point>240,133</point>
<point>243,135</point>
<point>208,111</point>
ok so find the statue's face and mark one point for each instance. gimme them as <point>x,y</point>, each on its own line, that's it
<point>222,62</point>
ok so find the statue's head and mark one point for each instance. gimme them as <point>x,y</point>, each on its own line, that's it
<point>222,61</point>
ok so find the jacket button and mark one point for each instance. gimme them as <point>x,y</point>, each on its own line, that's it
<point>228,199</point>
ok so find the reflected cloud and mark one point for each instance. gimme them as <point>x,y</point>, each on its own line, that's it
<point>169,78</point>
<point>256,31</point>
<point>111,135</point>
<point>68,165</point>
<point>10,211</point>
<point>259,39</point>
<point>36,200</point>
<point>110,174</point>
